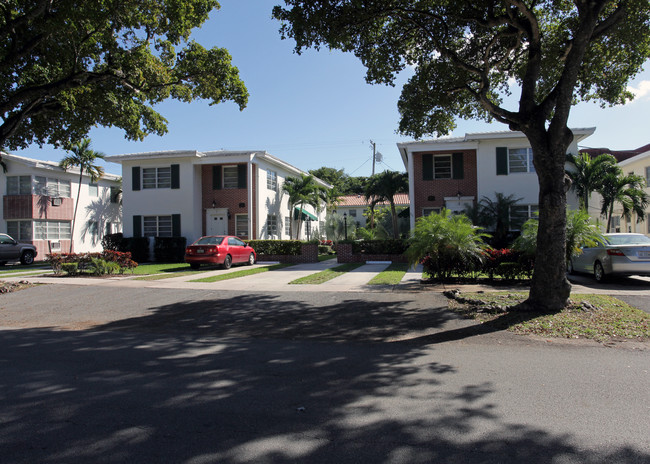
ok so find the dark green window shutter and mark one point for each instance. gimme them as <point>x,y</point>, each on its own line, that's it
<point>457,166</point>
<point>241,176</point>
<point>176,176</point>
<point>502,161</point>
<point>137,226</point>
<point>427,167</point>
<point>135,177</point>
<point>176,225</point>
<point>216,177</point>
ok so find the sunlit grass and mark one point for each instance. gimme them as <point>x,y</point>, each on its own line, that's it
<point>392,275</point>
<point>327,274</point>
<point>597,317</point>
<point>242,273</point>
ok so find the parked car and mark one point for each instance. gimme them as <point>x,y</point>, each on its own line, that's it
<point>12,250</point>
<point>622,255</point>
<point>219,249</point>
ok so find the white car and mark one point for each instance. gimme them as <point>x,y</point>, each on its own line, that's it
<point>622,255</point>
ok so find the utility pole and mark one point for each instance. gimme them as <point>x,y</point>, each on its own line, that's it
<point>374,147</point>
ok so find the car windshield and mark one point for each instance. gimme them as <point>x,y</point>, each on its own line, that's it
<point>628,239</point>
<point>209,241</point>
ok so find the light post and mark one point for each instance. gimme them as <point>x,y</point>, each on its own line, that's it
<point>345,222</point>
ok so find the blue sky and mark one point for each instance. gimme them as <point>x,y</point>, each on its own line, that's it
<point>316,109</point>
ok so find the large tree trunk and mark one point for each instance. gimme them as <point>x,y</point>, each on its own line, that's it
<point>550,289</point>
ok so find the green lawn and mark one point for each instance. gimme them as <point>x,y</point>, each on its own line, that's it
<point>392,275</point>
<point>157,268</point>
<point>598,317</point>
<point>20,268</point>
<point>325,257</point>
<point>242,273</point>
<point>327,274</point>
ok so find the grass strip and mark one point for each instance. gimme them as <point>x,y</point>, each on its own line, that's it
<point>392,275</point>
<point>322,258</point>
<point>157,268</point>
<point>242,273</point>
<point>327,274</point>
<point>31,269</point>
<point>169,275</point>
<point>597,317</point>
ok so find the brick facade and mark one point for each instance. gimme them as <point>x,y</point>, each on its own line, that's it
<point>432,193</point>
<point>228,198</point>
<point>37,207</point>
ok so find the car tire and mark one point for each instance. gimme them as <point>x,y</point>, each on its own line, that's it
<point>227,262</point>
<point>27,257</point>
<point>599,272</point>
<point>2,263</point>
<point>195,265</point>
<point>251,259</point>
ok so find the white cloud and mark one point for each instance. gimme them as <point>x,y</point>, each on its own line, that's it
<point>642,90</point>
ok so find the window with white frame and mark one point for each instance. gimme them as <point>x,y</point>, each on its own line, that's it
<point>241,225</point>
<point>19,185</point>
<point>442,167</point>
<point>40,185</point>
<point>287,226</point>
<point>429,211</point>
<point>93,190</point>
<point>157,178</point>
<point>52,230</point>
<point>271,225</point>
<point>520,214</point>
<point>157,226</point>
<point>20,230</point>
<point>647,176</point>
<point>272,180</point>
<point>58,188</point>
<point>616,223</point>
<point>520,160</point>
<point>353,213</point>
<point>230,177</point>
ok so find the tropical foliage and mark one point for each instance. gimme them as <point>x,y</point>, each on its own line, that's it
<point>302,191</point>
<point>448,242</point>
<point>494,214</point>
<point>628,190</point>
<point>588,173</point>
<point>383,187</point>
<point>83,157</point>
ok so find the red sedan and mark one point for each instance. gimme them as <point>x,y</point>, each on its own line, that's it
<point>219,249</point>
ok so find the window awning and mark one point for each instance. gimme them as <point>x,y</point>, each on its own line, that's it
<point>306,215</point>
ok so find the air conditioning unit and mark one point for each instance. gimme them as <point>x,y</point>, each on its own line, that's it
<point>56,201</point>
<point>55,246</point>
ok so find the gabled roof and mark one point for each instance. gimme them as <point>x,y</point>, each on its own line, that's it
<point>49,165</point>
<point>401,199</point>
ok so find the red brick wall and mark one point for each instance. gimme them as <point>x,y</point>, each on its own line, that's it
<point>37,207</point>
<point>227,198</point>
<point>440,188</point>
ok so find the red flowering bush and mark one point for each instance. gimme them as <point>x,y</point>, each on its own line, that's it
<point>83,260</point>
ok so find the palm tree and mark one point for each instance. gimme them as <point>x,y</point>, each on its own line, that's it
<point>383,187</point>
<point>84,158</point>
<point>495,215</point>
<point>588,175</point>
<point>626,189</point>
<point>302,191</point>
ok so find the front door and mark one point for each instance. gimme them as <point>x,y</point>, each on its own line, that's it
<point>216,221</point>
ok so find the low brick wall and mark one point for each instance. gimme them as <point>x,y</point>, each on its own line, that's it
<point>344,255</point>
<point>308,254</point>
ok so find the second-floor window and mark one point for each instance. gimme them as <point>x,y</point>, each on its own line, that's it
<point>156,178</point>
<point>272,180</point>
<point>58,188</point>
<point>230,177</point>
<point>520,160</point>
<point>19,185</point>
<point>93,190</point>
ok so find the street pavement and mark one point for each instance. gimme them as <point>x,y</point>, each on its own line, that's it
<point>121,370</point>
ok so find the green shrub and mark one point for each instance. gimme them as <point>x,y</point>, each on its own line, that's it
<point>169,249</point>
<point>138,247</point>
<point>115,242</point>
<point>69,268</point>
<point>379,247</point>
<point>277,247</point>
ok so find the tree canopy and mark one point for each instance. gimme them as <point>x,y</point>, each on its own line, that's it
<point>465,54</point>
<point>68,66</point>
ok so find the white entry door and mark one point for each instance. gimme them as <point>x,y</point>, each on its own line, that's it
<point>216,221</point>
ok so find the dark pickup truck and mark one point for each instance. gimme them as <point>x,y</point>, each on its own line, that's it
<point>11,250</point>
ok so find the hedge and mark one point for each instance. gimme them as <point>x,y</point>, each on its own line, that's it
<point>277,247</point>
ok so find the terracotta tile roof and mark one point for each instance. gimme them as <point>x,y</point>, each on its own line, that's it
<point>359,200</point>
<point>620,155</point>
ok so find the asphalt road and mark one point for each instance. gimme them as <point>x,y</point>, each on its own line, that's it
<point>92,374</point>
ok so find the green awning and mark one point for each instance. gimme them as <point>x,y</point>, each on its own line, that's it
<point>306,215</point>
